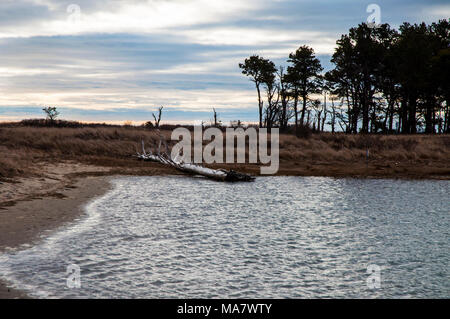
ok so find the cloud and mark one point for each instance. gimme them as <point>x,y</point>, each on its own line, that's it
<point>142,17</point>
<point>437,12</point>
<point>136,55</point>
<point>259,37</point>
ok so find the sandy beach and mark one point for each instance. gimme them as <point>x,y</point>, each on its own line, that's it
<point>47,205</point>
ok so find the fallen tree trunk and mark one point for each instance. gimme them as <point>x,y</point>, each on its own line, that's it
<point>195,169</point>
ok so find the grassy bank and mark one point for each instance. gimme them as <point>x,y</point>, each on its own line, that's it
<point>23,150</point>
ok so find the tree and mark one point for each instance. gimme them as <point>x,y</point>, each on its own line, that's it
<point>364,69</point>
<point>318,108</point>
<point>367,57</point>
<point>386,82</point>
<point>380,76</point>
<point>149,125</point>
<point>158,119</point>
<point>440,64</point>
<point>332,121</point>
<point>285,113</point>
<point>304,78</point>
<point>51,112</point>
<point>217,122</point>
<point>412,62</point>
<point>271,112</point>
<point>324,110</point>
<point>261,71</point>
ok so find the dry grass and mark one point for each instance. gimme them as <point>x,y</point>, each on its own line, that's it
<point>76,141</point>
<point>342,147</point>
<point>324,154</point>
<point>22,147</point>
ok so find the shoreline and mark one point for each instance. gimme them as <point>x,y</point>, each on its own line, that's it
<point>30,210</point>
<point>26,222</point>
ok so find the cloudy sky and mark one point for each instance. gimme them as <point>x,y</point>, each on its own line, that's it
<point>116,61</point>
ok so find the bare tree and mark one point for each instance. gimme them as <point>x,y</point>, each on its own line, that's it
<point>344,118</point>
<point>217,122</point>
<point>317,107</point>
<point>332,121</point>
<point>272,110</point>
<point>324,110</point>
<point>158,119</point>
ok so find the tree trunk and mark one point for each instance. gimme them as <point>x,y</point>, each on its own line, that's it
<point>404,112</point>
<point>195,169</point>
<point>365,110</point>
<point>355,115</point>
<point>303,108</point>
<point>412,115</point>
<point>319,120</point>
<point>259,106</point>
<point>447,117</point>
<point>296,112</point>
<point>324,111</point>
<point>333,117</point>
<point>349,128</point>
<point>391,116</point>
<point>429,116</point>
<point>283,120</point>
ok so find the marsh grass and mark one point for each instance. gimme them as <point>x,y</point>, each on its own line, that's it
<point>21,147</point>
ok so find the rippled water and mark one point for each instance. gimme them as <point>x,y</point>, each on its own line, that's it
<point>282,237</point>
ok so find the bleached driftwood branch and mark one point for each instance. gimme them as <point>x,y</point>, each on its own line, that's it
<point>195,169</point>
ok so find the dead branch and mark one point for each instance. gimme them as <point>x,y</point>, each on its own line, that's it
<point>194,169</point>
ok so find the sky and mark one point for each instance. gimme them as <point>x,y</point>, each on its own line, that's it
<point>115,61</point>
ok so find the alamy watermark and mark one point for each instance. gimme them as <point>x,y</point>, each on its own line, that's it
<point>374,19</point>
<point>74,11</point>
<point>73,273</point>
<point>374,279</point>
<point>213,152</point>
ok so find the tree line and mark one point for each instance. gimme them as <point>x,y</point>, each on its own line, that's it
<point>383,80</point>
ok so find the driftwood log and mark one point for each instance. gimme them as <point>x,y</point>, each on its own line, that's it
<point>194,169</point>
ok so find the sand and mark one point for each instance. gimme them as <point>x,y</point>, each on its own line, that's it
<point>38,207</point>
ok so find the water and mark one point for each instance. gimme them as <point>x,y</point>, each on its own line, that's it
<point>279,237</point>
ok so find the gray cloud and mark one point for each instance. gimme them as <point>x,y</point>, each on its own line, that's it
<point>22,12</point>
<point>191,65</point>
